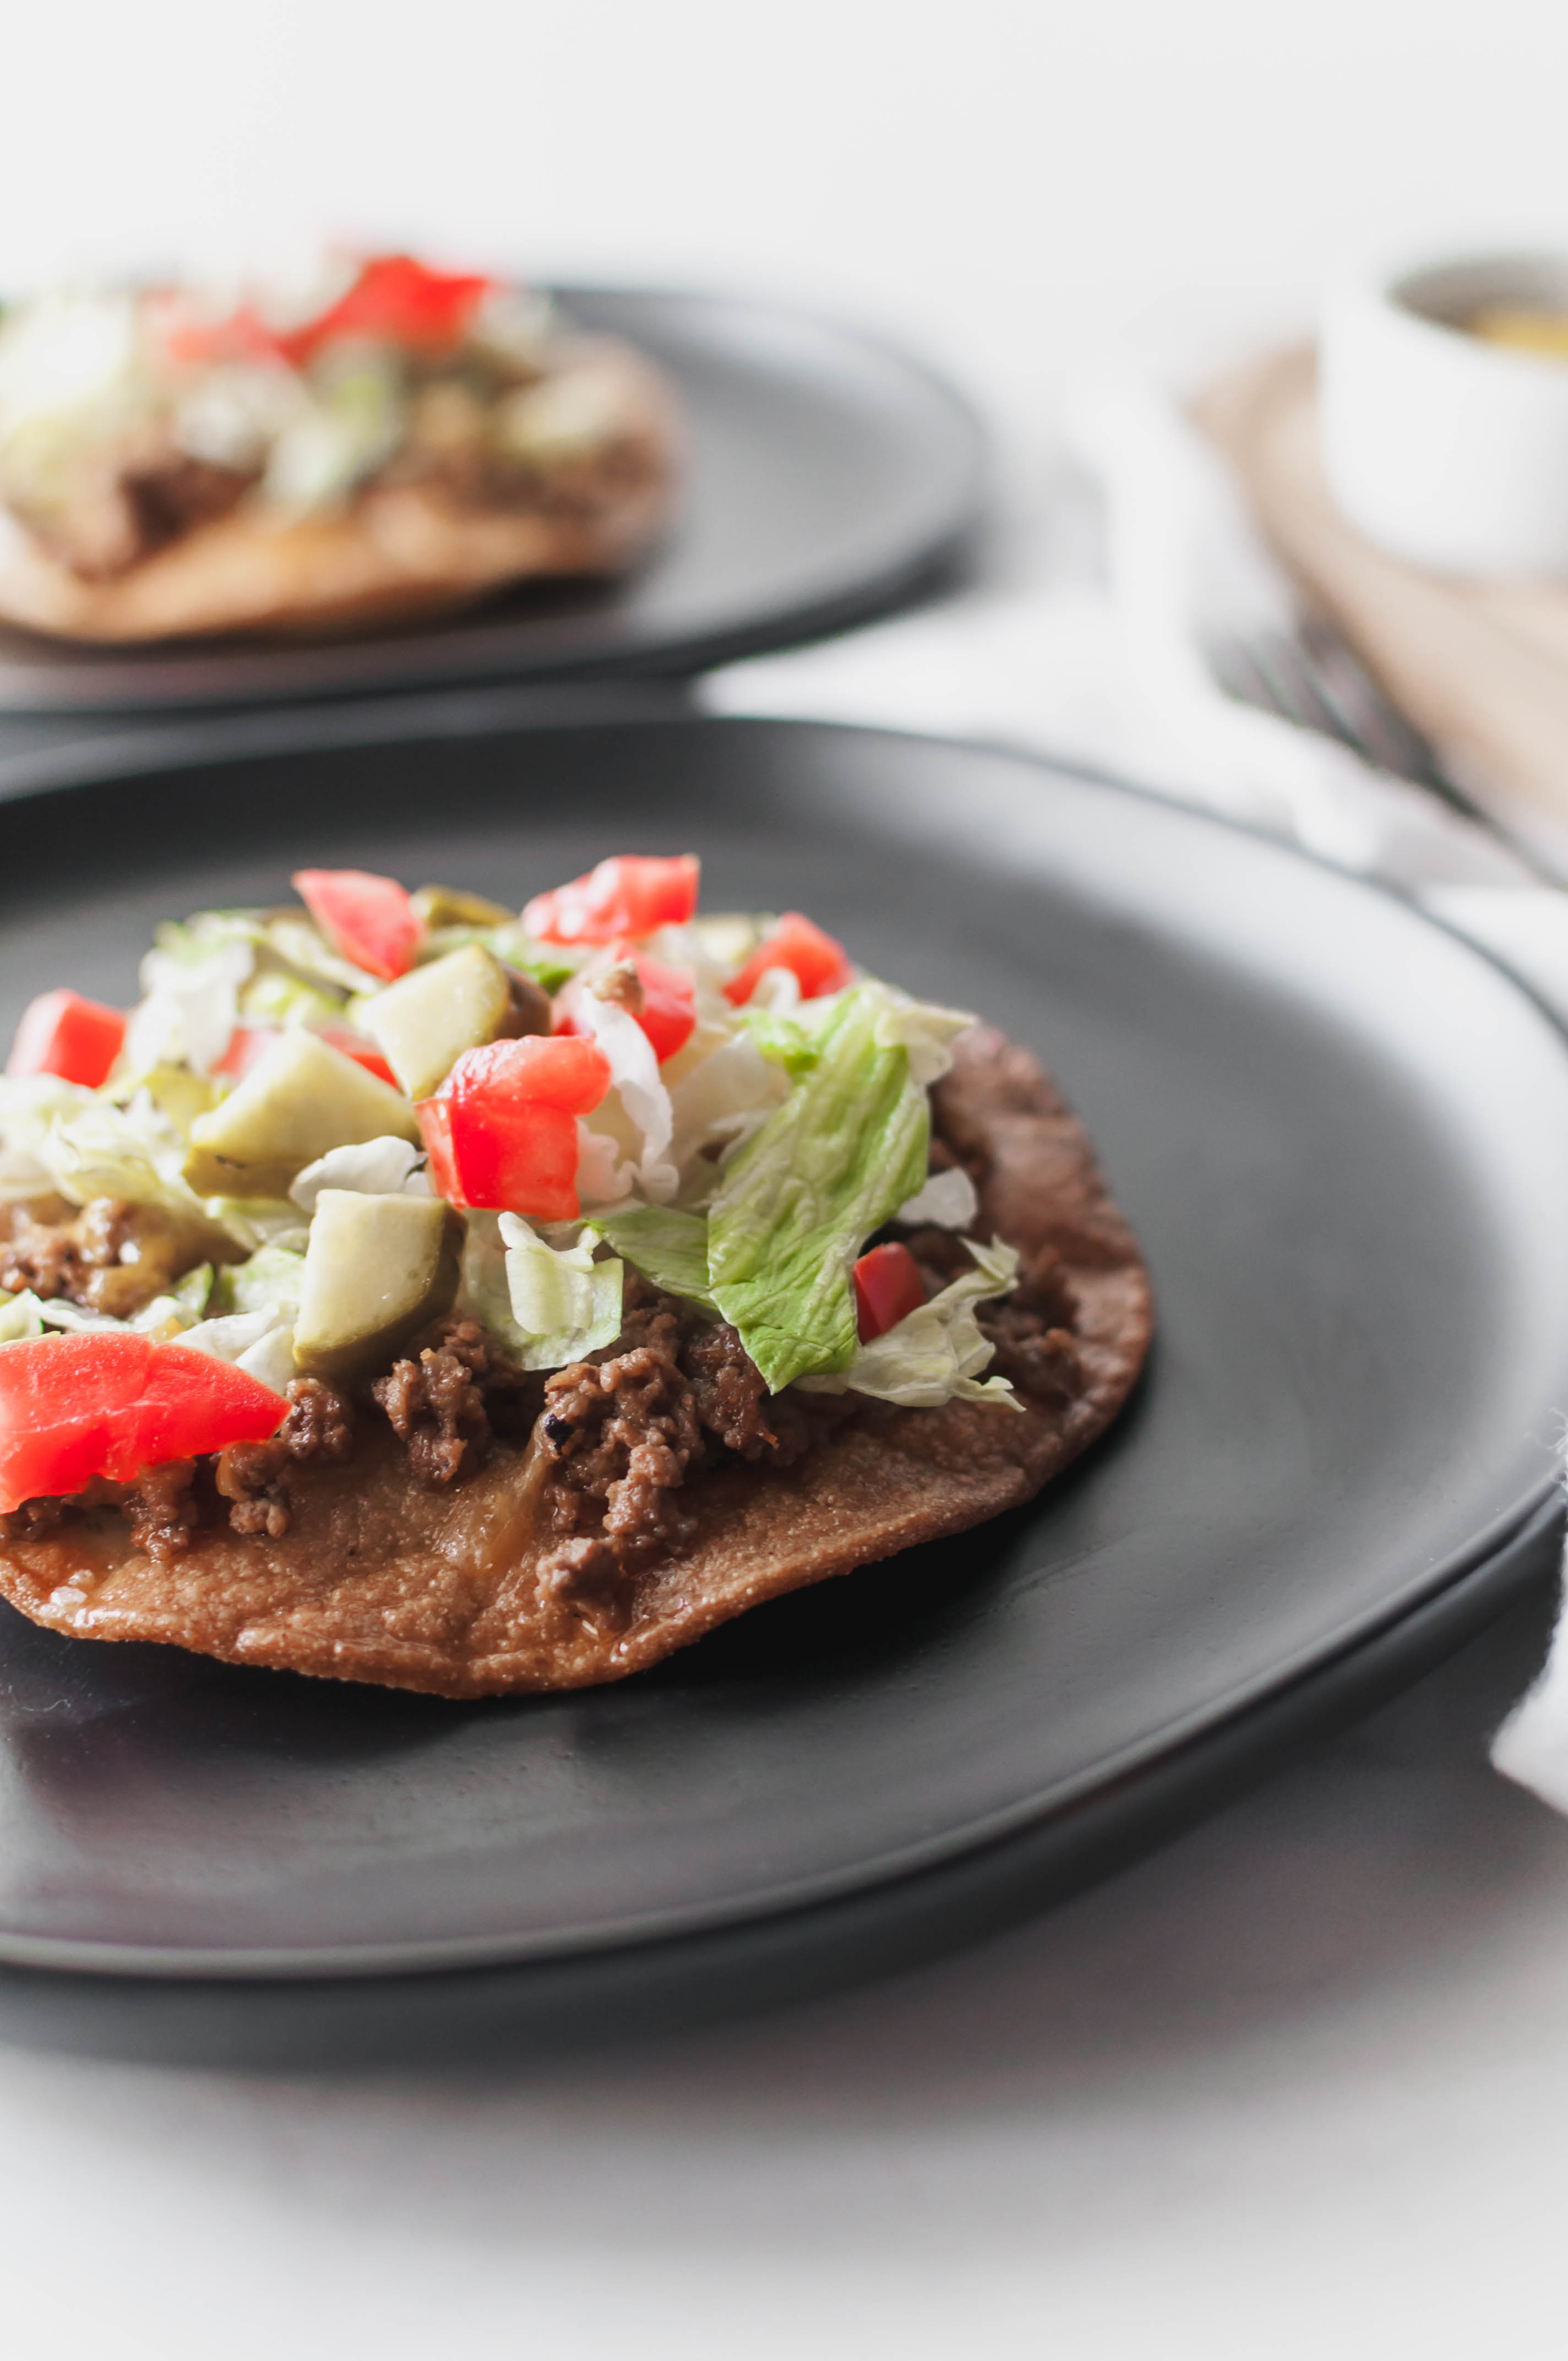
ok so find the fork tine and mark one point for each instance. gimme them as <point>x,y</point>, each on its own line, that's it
<point>1392,742</point>
<point>1303,693</point>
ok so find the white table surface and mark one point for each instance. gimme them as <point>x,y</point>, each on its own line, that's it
<point>1299,2083</point>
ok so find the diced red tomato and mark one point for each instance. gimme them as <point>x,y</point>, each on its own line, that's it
<point>888,1286</point>
<point>668,1014</point>
<point>518,1159</point>
<point>630,895</point>
<point>249,1042</point>
<point>554,1069</point>
<point>399,301</point>
<point>364,1053</point>
<point>110,1405</point>
<point>502,1130</point>
<point>186,337</point>
<point>820,963</point>
<point>63,1034</point>
<point>368,919</point>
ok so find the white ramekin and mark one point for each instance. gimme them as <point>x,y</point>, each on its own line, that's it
<point>1442,447</point>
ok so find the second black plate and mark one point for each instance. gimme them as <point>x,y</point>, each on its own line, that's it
<point>827,477</point>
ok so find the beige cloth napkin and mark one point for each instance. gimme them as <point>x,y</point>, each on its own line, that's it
<point>1140,552</point>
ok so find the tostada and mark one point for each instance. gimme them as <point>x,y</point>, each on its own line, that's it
<point>382,440</point>
<point>410,1292</point>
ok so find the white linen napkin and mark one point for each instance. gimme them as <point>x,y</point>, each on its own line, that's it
<point>1138,559</point>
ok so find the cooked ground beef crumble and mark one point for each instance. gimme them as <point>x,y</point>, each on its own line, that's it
<point>443,1402</point>
<point>107,1256</point>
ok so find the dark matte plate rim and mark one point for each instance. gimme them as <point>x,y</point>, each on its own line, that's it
<point>192,741</point>
<point>1165,1748</point>
<point>63,678</point>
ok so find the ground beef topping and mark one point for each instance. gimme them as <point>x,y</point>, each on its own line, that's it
<point>621,1434</point>
<point>164,1511</point>
<point>110,1257</point>
<point>735,1406</point>
<point>137,500</point>
<point>320,1425</point>
<point>1032,1332</point>
<point>443,1404</point>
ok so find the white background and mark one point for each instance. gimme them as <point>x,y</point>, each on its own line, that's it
<point>1301,2083</point>
<point>1014,181</point>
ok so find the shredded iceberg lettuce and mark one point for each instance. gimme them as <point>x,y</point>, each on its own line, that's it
<point>781,1040</point>
<point>377,1167</point>
<point>563,1303</point>
<point>194,1292</point>
<point>605,1176</point>
<point>829,1166</point>
<point>98,1149</point>
<point>669,1248</point>
<point>260,1342</point>
<point>300,945</point>
<point>948,1202</point>
<point>191,986</point>
<point>269,1281</point>
<point>730,1094</point>
<point>275,997</point>
<point>924,1028</point>
<point>20,1315</point>
<point>551,965</point>
<point>935,1354</point>
<point>30,1107</point>
<point>60,1312</point>
<point>634,1080</point>
<point>482,1290</point>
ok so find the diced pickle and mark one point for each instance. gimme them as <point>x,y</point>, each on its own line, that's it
<point>423,1023</point>
<point>376,1269</point>
<point>448,905</point>
<point>301,1098</point>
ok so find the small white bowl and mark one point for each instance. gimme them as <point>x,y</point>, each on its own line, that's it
<point>1441,447</point>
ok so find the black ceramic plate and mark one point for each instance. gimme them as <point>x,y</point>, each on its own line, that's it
<point>1344,1138</point>
<point>827,477</point>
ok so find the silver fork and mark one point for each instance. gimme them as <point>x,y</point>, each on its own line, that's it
<point>1315,679</point>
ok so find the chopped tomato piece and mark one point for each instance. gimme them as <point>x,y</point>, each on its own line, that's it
<point>518,1159</point>
<point>63,1034</point>
<point>630,895</point>
<point>668,1014</point>
<point>364,1053</point>
<point>888,1286</point>
<point>110,1405</point>
<point>556,1070</point>
<point>820,963</point>
<point>399,301</point>
<point>502,1130</point>
<point>368,919</point>
<point>188,337</point>
<point>249,1042</point>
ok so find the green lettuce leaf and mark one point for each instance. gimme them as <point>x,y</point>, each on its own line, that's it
<point>564,1304</point>
<point>668,1248</point>
<point>800,1197</point>
<point>545,1307</point>
<point>781,1040</point>
<point>935,1354</point>
<point>269,1281</point>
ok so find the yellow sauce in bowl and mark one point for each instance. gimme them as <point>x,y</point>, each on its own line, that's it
<point>1523,329</point>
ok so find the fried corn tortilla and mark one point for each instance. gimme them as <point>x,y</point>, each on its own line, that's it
<point>450,1593</point>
